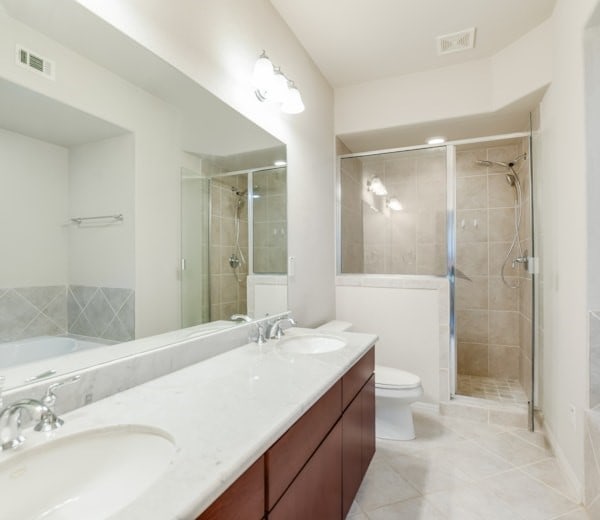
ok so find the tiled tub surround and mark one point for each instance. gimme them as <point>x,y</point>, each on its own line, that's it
<point>96,312</point>
<point>27,312</point>
<point>101,312</point>
<point>493,321</point>
<point>254,386</point>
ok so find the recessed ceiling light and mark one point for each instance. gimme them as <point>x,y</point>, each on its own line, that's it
<point>436,140</point>
<point>279,163</point>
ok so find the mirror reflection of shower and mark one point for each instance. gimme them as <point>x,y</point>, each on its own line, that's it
<point>237,258</point>
<point>512,179</point>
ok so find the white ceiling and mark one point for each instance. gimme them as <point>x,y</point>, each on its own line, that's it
<point>355,41</point>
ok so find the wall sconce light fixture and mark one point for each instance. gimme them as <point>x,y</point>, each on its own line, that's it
<point>272,86</point>
<point>394,204</point>
<point>375,185</point>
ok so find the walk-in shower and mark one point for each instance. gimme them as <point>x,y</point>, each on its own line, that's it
<point>465,215</point>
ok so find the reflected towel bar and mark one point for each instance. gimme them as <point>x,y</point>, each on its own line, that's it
<point>79,220</point>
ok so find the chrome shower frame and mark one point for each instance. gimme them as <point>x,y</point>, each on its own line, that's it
<point>451,233</point>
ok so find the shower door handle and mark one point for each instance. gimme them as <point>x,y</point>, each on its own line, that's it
<point>183,264</point>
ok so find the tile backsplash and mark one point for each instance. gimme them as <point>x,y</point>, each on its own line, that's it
<point>99,312</point>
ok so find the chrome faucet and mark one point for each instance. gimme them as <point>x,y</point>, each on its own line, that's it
<point>275,330</point>
<point>41,411</point>
<point>241,317</point>
<point>259,338</point>
<point>10,421</point>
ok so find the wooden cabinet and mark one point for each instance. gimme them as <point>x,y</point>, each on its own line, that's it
<point>315,469</point>
<point>315,492</point>
<point>289,454</point>
<point>358,441</point>
<point>243,500</point>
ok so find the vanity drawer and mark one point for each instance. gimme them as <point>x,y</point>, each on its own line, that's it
<point>287,456</point>
<point>315,493</point>
<point>244,499</point>
<point>357,376</point>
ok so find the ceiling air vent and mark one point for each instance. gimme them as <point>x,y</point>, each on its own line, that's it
<point>456,42</point>
<point>34,62</point>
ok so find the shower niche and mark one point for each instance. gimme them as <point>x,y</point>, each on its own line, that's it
<point>234,239</point>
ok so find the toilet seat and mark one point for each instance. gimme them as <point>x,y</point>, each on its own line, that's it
<point>393,378</point>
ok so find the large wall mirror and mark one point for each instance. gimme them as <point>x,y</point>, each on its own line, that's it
<point>124,183</point>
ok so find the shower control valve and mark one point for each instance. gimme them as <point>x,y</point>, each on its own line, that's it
<point>520,260</point>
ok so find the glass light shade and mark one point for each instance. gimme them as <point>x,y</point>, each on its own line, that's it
<point>394,204</point>
<point>278,87</point>
<point>293,102</point>
<point>263,73</point>
<point>376,186</point>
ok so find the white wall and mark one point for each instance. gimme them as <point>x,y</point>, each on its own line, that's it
<point>471,88</point>
<point>101,182</point>
<point>562,172</point>
<point>33,212</point>
<point>216,43</point>
<point>407,321</point>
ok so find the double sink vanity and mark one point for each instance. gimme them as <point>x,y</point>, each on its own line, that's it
<point>279,430</point>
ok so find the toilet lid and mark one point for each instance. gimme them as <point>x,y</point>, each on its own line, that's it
<point>387,377</point>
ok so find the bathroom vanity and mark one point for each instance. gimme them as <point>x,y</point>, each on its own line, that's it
<point>258,431</point>
<point>315,469</point>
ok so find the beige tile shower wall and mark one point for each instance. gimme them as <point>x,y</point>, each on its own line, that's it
<point>489,327</point>
<point>352,247</point>
<point>411,241</point>
<point>227,294</point>
<point>270,222</point>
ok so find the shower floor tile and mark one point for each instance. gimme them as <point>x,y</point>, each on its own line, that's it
<point>491,388</point>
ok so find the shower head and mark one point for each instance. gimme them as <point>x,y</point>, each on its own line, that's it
<point>506,165</point>
<point>239,193</point>
<point>511,179</point>
<point>493,163</point>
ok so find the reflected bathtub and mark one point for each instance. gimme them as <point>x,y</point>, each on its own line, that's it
<point>41,347</point>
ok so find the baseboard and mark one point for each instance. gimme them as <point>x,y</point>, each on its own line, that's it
<point>426,407</point>
<point>564,464</point>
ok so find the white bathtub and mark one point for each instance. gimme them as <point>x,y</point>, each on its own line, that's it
<point>41,347</point>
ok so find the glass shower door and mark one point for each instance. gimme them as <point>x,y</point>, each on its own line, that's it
<point>195,212</point>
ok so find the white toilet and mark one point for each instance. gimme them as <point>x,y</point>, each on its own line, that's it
<point>395,390</point>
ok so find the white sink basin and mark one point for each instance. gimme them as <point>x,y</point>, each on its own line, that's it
<point>311,344</point>
<point>90,475</point>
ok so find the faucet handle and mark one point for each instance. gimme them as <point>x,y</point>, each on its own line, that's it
<point>259,337</point>
<point>49,398</point>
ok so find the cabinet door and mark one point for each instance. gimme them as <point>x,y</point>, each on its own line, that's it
<point>289,454</point>
<point>367,401</point>
<point>352,453</point>
<point>243,500</point>
<point>316,491</point>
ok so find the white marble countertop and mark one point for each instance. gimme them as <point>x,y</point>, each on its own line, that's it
<point>222,413</point>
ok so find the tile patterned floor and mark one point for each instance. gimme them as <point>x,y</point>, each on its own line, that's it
<point>495,389</point>
<point>462,470</point>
